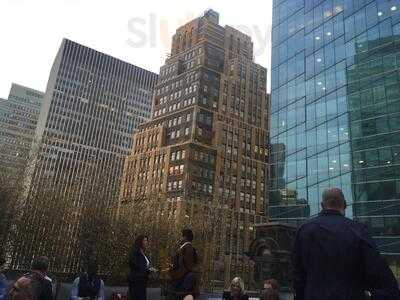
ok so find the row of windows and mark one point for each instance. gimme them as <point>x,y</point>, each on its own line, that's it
<point>302,203</point>
<point>176,106</point>
<point>168,70</point>
<point>191,64</point>
<point>191,54</point>
<point>177,83</point>
<point>178,120</point>
<point>144,163</point>
<point>14,141</point>
<point>17,107</point>
<point>178,155</point>
<point>176,170</point>
<point>204,173</point>
<point>283,9</point>
<point>325,109</point>
<point>202,187</point>
<point>375,157</point>
<point>378,125</point>
<point>332,53</point>
<point>176,95</point>
<point>146,139</point>
<point>366,142</point>
<point>369,192</point>
<point>328,164</point>
<point>320,138</point>
<point>382,173</point>
<point>324,33</point>
<point>203,157</point>
<point>36,102</point>
<point>175,134</point>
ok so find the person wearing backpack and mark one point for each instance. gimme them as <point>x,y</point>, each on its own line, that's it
<point>33,285</point>
<point>3,280</point>
<point>184,270</point>
<point>88,286</point>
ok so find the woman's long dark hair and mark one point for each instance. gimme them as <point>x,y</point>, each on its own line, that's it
<point>139,241</point>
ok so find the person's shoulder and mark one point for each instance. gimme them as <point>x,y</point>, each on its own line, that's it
<point>358,226</point>
<point>187,247</point>
<point>76,280</point>
<point>309,224</point>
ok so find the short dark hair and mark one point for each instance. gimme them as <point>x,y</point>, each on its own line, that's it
<point>40,263</point>
<point>188,234</point>
<point>92,268</point>
<point>333,198</point>
<point>139,241</point>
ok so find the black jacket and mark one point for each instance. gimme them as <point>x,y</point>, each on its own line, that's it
<point>228,296</point>
<point>139,271</point>
<point>335,258</point>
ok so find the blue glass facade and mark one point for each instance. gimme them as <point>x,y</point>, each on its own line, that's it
<point>335,112</point>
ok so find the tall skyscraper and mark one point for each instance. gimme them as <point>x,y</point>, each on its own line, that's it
<point>92,105</point>
<point>19,115</point>
<point>207,141</point>
<point>335,108</point>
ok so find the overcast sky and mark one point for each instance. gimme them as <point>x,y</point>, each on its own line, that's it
<point>138,32</point>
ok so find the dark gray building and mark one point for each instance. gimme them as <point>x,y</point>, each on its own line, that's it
<point>18,119</point>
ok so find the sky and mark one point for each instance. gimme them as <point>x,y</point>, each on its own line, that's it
<point>138,32</point>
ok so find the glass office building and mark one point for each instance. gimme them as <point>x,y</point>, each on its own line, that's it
<point>335,112</point>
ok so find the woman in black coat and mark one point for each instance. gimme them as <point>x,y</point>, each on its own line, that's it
<point>139,265</point>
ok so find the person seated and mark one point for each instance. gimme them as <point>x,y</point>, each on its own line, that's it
<point>236,291</point>
<point>88,286</point>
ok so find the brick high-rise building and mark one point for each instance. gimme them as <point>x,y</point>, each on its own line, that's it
<point>207,141</point>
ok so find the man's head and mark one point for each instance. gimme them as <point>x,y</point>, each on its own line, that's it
<point>40,264</point>
<point>333,198</point>
<point>92,269</point>
<point>187,235</point>
<point>271,284</point>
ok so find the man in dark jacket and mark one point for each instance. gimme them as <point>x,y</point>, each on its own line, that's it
<point>184,271</point>
<point>335,258</point>
<point>34,284</point>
